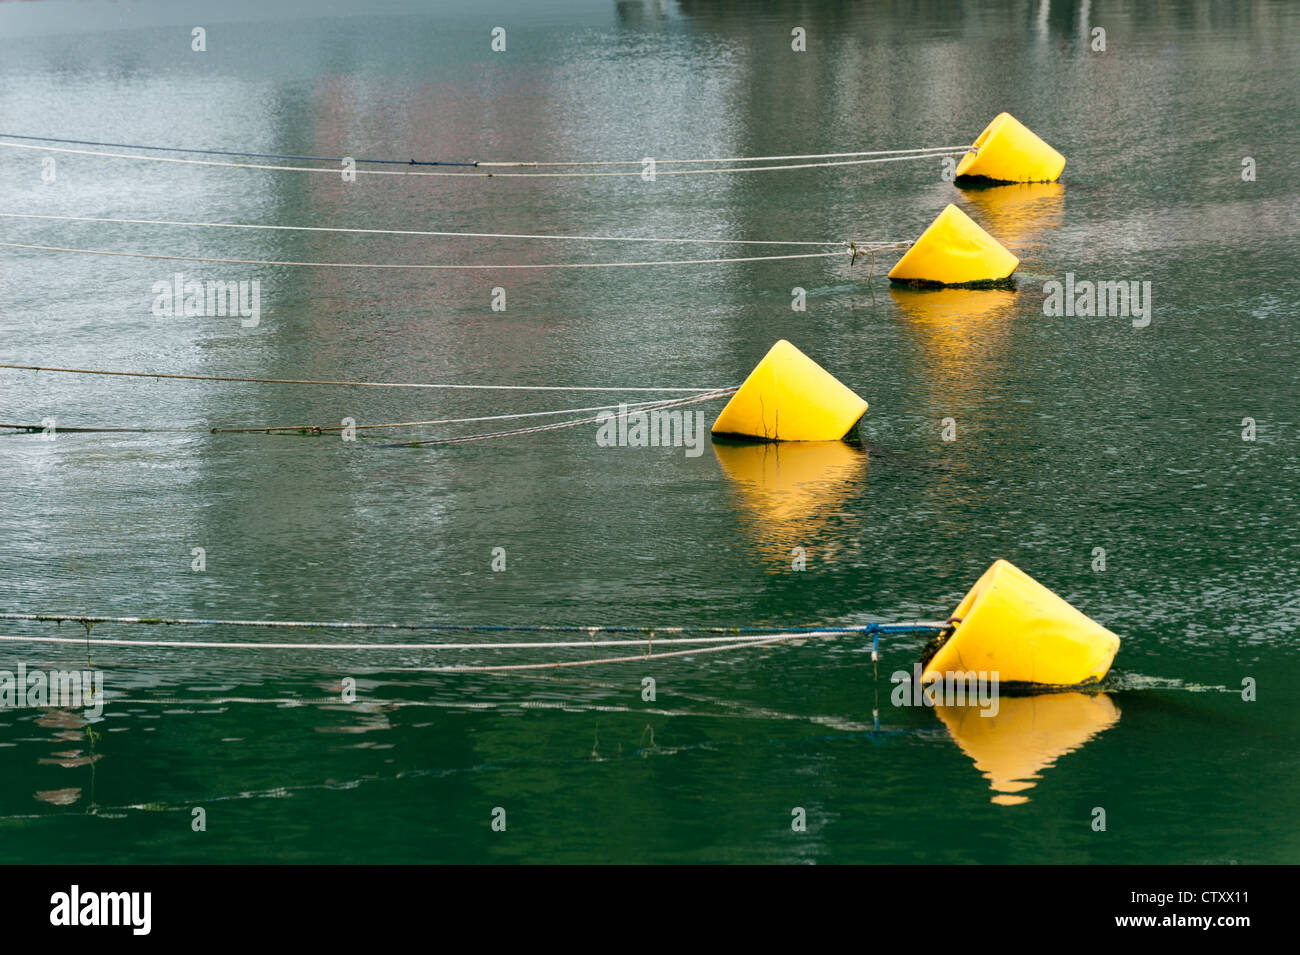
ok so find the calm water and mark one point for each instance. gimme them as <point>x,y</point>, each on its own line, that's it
<point>1073,434</point>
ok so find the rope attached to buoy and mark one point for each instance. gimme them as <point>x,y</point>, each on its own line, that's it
<point>702,645</point>
<point>879,156</point>
<point>638,407</point>
<point>520,645</point>
<point>443,162</point>
<point>435,267</point>
<point>347,384</point>
<point>736,638</point>
<point>83,619</point>
<point>654,240</point>
<point>558,426</point>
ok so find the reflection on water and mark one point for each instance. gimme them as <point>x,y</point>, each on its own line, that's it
<point>1028,735</point>
<point>788,490</point>
<point>69,726</point>
<point>962,337</point>
<point>60,797</point>
<point>1020,215</point>
<point>957,324</point>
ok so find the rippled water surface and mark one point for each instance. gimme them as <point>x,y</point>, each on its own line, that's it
<point>1073,433</point>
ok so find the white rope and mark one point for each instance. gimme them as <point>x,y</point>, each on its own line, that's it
<point>418,232</point>
<point>334,171</point>
<point>347,384</point>
<point>367,705</point>
<point>661,403</point>
<point>628,659</point>
<point>736,639</point>
<point>941,150</point>
<point>558,426</point>
<point>731,632</point>
<point>389,265</point>
<point>651,405</point>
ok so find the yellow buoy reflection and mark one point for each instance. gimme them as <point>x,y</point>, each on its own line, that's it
<point>962,335</point>
<point>1022,214</point>
<point>954,312</point>
<point>1028,735</point>
<point>789,490</point>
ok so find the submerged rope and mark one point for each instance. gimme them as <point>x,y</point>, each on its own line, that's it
<point>933,153</point>
<point>390,265</point>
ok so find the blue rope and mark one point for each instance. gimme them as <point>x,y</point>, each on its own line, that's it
<point>228,152</point>
<point>874,629</point>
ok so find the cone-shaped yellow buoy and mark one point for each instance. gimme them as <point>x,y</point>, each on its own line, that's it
<point>954,251</point>
<point>1026,735</point>
<point>789,397</point>
<point>1013,625</point>
<point>1008,151</point>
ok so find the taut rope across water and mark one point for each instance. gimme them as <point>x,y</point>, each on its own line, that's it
<point>736,638</point>
<point>827,159</point>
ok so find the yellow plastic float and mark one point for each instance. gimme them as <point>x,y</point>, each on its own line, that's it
<point>1009,151</point>
<point>954,251</point>
<point>1013,625</point>
<point>789,397</point>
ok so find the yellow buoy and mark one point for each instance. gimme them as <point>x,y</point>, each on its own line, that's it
<point>789,397</point>
<point>1008,151</point>
<point>954,251</point>
<point>1013,625</point>
<point>1026,735</point>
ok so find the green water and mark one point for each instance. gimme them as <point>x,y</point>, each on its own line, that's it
<point>1072,433</point>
